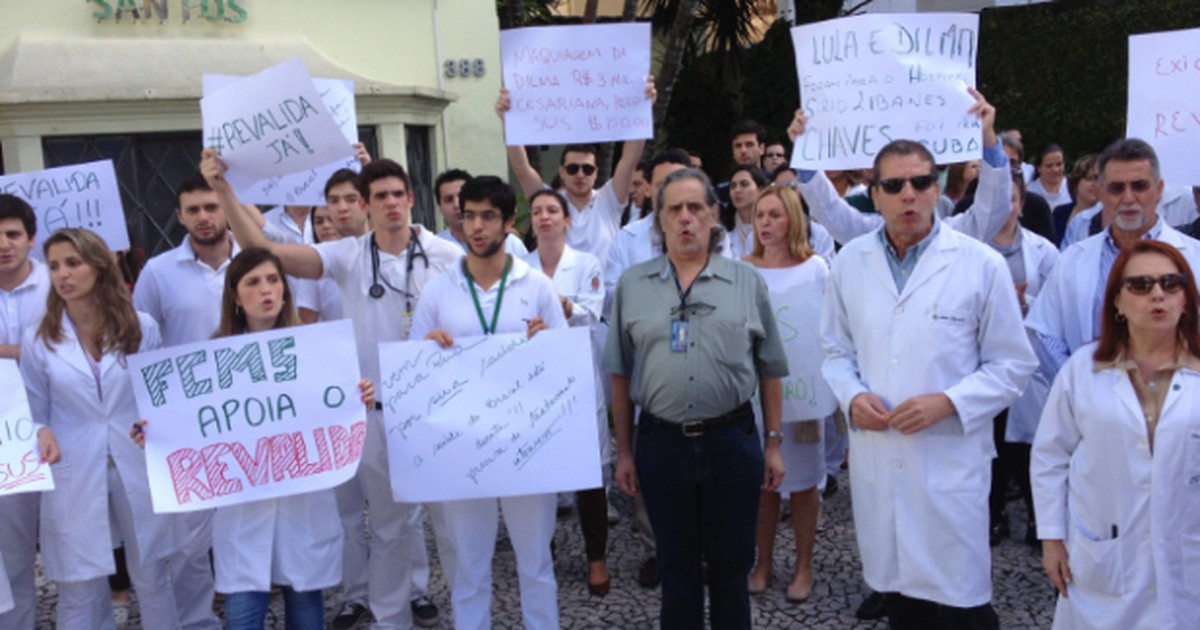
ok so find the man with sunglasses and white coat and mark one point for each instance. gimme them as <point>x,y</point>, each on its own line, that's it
<point>1066,314</point>
<point>923,347</point>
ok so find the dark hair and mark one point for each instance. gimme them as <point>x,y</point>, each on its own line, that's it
<point>493,190</point>
<point>956,180</point>
<point>194,183</point>
<point>1050,148</point>
<point>233,317</point>
<point>775,141</point>
<point>1018,180</point>
<point>381,169</point>
<point>644,167</point>
<point>1114,335</point>
<point>14,207</point>
<point>550,192</point>
<point>590,149</point>
<point>670,156</point>
<point>452,175</point>
<point>749,126</point>
<point>756,174</point>
<point>1078,171</point>
<point>783,168</point>
<point>343,176</point>
<point>1129,150</point>
<point>902,148</point>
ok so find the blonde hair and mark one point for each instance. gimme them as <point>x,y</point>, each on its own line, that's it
<point>120,329</point>
<point>797,237</point>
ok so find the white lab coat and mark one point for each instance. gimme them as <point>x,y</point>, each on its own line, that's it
<point>920,501</point>
<point>76,537</point>
<point>6,600</point>
<point>295,541</point>
<point>1065,306</point>
<point>578,278</point>
<point>1039,255</point>
<point>1092,470</point>
<point>982,221</point>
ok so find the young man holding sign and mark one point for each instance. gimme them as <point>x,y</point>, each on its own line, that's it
<point>490,292</point>
<point>381,275</point>
<point>23,287</point>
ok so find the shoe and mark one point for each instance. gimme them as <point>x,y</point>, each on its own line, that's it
<point>831,487</point>
<point>424,612</point>
<point>601,589</point>
<point>797,596</point>
<point>349,615</point>
<point>614,516</point>
<point>121,612</point>
<point>648,576</point>
<point>871,608</point>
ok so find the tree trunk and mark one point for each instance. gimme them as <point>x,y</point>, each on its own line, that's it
<point>672,61</point>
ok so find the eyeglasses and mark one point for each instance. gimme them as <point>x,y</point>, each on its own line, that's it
<point>893,185</point>
<point>573,169</point>
<point>1141,285</point>
<point>1118,188</point>
<point>771,154</point>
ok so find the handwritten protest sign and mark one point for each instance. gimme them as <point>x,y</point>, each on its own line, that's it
<point>577,83</point>
<point>80,195</point>
<point>1164,100</point>
<point>250,417</point>
<point>271,124</point>
<point>21,469</point>
<point>305,188</point>
<point>494,416</point>
<point>870,79</point>
<point>806,396</point>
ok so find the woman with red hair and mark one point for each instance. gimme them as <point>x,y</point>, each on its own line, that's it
<point>1116,459</point>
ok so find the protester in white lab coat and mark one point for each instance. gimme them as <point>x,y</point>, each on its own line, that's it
<point>923,347</point>
<point>1115,469</point>
<point>78,383</point>
<point>576,277</point>
<point>787,263</point>
<point>295,541</point>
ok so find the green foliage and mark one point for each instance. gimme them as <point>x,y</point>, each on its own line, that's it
<point>1058,71</point>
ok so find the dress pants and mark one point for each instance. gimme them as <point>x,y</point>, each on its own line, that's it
<point>18,547</point>
<point>389,561</point>
<point>192,573</point>
<point>352,505</point>
<point>702,496</point>
<point>472,526</point>
<point>908,613</point>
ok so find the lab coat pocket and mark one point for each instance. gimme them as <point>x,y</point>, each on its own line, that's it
<point>953,324</point>
<point>955,464</point>
<point>1190,555</point>
<point>1096,564</point>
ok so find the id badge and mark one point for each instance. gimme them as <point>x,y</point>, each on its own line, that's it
<point>679,333</point>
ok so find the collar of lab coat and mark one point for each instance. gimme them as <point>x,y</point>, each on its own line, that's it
<point>932,261</point>
<point>1118,369</point>
<point>72,351</point>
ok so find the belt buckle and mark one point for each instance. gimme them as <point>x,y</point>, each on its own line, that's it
<point>692,429</point>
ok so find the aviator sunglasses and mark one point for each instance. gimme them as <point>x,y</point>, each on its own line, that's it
<point>893,185</point>
<point>573,169</point>
<point>1142,285</point>
<point>1137,186</point>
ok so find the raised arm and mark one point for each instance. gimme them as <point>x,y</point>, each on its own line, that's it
<point>301,261</point>
<point>527,176</point>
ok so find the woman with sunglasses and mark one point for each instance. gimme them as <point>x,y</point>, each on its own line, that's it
<point>795,277</point>
<point>79,386</point>
<point>1116,460</point>
<point>576,276</point>
<point>293,541</point>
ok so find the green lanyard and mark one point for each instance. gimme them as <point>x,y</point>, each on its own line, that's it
<point>499,295</point>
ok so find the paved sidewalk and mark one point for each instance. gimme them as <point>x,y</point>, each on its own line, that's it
<point>1023,597</point>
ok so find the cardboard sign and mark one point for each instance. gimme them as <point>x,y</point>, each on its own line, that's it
<point>577,84</point>
<point>502,415</point>
<point>306,188</point>
<point>80,195</point>
<point>271,124</point>
<point>870,79</point>
<point>250,417</point>
<point>1164,100</point>
<point>21,468</point>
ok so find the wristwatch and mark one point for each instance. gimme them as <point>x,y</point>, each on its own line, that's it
<point>774,435</point>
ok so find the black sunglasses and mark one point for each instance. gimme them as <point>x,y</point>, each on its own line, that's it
<point>893,185</point>
<point>1141,285</point>
<point>573,169</point>
<point>1118,188</point>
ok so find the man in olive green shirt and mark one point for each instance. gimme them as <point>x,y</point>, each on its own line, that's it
<point>692,336</point>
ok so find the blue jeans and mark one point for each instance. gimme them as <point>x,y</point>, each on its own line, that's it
<point>702,497</point>
<point>247,610</point>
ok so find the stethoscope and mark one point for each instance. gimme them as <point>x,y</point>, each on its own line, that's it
<point>415,250</point>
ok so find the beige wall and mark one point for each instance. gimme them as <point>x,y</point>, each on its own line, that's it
<point>392,42</point>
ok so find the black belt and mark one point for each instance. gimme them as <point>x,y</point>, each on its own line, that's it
<point>698,428</point>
